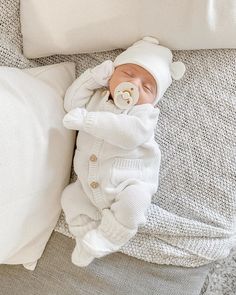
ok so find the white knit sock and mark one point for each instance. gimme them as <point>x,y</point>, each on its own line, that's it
<point>80,257</point>
<point>108,237</point>
<point>95,243</point>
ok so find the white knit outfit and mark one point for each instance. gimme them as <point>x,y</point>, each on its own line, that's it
<point>117,159</point>
<point>117,162</point>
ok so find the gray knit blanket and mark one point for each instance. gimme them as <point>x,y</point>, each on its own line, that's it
<point>192,217</point>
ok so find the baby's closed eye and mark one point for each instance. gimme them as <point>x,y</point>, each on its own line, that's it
<point>148,88</point>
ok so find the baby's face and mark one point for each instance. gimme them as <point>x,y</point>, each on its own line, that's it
<point>137,75</point>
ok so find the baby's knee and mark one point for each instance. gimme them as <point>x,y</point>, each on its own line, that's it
<point>70,201</point>
<point>70,194</point>
<point>130,218</point>
<point>65,195</point>
<point>130,214</point>
<point>134,200</point>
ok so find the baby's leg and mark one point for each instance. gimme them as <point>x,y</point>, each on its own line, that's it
<point>119,223</point>
<point>131,204</point>
<point>80,214</point>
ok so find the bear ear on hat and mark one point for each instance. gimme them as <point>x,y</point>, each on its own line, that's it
<point>146,39</point>
<point>151,40</point>
<point>177,70</point>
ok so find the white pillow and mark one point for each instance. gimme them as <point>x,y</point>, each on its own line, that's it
<point>78,26</point>
<point>35,158</point>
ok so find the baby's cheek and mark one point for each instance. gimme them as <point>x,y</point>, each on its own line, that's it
<point>111,88</point>
<point>113,83</point>
<point>145,98</point>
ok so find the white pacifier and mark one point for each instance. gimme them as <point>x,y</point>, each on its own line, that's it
<point>126,95</point>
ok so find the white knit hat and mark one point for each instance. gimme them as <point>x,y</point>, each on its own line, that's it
<point>156,59</point>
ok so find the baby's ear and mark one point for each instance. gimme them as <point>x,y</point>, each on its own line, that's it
<point>177,70</point>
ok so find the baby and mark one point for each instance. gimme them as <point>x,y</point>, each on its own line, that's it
<point>117,160</point>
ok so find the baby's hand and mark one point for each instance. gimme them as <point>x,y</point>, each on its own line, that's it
<point>75,118</point>
<point>103,72</point>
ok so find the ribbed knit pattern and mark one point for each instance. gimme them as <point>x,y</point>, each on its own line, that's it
<point>113,230</point>
<point>192,217</point>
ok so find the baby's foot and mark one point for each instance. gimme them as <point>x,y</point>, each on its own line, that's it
<point>97,244</point>
<point>80,257</point>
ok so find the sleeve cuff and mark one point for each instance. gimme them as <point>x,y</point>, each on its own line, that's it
<point>90,122</point>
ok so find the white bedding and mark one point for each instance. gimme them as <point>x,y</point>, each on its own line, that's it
<point>78,26</point>
<point>35,158</point>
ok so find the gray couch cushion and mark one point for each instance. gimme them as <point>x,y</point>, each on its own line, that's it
<point>116,274</point>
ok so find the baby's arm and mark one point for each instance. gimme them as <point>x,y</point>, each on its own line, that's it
<point>124,130</point>
<point>81,90</point>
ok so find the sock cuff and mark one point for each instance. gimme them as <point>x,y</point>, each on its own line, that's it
<point>113,230</point>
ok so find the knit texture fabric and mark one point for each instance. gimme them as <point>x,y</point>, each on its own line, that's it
<point>192,217</point>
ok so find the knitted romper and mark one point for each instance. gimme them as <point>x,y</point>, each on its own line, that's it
<point>117,163</point>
